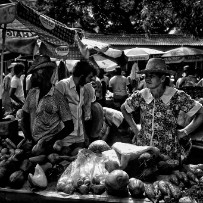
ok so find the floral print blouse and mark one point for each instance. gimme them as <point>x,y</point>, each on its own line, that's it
<point>158,117</point>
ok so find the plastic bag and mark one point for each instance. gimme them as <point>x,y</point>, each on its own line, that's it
<point>87,169</point>
<point>99,171</point>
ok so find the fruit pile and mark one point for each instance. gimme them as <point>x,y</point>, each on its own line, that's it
<point>17,164</point>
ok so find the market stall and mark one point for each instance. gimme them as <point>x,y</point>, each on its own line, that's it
<point>121,172</point>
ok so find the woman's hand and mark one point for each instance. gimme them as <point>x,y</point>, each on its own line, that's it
<point>182,134</point>
<point>135,131</point>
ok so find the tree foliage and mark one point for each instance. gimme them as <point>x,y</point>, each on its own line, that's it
<point>127,16</point>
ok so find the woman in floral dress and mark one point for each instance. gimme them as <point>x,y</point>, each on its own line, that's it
<point>159,107</point>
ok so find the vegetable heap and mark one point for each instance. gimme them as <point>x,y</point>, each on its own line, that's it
<point>148,174</point>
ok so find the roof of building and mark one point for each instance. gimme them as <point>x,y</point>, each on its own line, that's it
<point>132,39</point>
<point>142,39</point>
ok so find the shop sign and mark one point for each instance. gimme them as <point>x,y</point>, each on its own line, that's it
<point>47,23</point>
<point>62,50</point>
<point>19,33</point>
<point>194,58</point>
<point>173,59</point>
<point>138,58</point>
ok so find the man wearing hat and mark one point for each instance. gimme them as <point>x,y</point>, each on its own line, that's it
<point>189,78</point>
<point>6,100</point>
<point>46,115</point>
<point>159,106</point>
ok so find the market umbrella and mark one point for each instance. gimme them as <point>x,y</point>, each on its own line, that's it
<point>114,53</point>
<point>139,53</point>
<point>183,54</point>
<point>104,63</point>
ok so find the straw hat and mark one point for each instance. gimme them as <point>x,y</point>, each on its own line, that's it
<point>156,65</point>
<point>41,61</point>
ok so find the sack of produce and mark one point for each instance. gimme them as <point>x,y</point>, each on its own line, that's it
<point>127,152</point>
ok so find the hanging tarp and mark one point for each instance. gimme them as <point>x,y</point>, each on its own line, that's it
<point>20,45</point>
<point>17,30</point>
<point>19,39</point>
<point>57,40</point>
<point>45,27</point>
<point>7,13</point>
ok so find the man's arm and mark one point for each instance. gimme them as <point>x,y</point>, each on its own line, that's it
<point>25,125</point>
<point>13,96</point>
<point>181,82</point>
<point>130,88</point>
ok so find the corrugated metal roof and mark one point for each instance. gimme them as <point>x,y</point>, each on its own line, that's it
<point>132,39</point>
<point>141,39</point>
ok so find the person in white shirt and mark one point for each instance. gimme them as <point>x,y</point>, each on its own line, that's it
<point>6,100</point>
<point>79,95</point>
<point>119,85</point>
<point>16,91</point>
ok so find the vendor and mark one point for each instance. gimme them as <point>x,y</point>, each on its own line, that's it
<point>46,116</point>
<point>159,106</point>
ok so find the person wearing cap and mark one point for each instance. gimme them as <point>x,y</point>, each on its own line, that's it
<point>16,90</point>
<point>188,79</point>
<point>159,106</point>
<point>119,85</point>
<point>6,100</point>
<point>46,116</point>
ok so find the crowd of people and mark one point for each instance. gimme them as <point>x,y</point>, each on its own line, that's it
<point>56,113</point>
